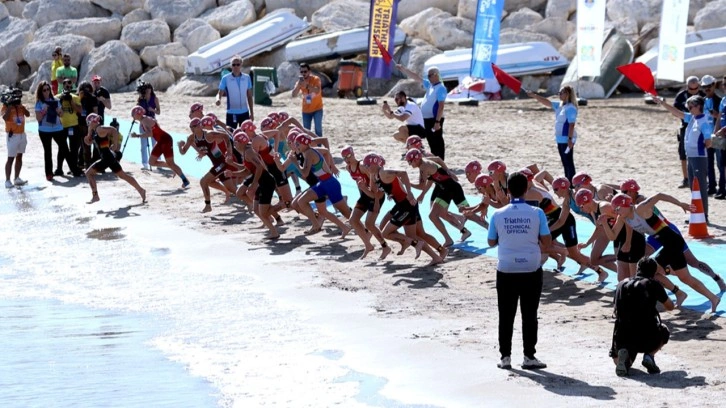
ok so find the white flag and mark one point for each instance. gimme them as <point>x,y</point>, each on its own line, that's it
<point>672,42</point>
<point>590,29</point>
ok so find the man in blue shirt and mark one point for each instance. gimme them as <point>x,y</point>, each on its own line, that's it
<point>710,108</point>
<point>518,229</point>
<point>720,131</point>
<point>432,108</point>
<point>237,87</point>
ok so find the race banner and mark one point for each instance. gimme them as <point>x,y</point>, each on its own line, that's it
<point>486,38</point>
<point>672,41</point>
<point>590,31</point>
<point>381,37</point>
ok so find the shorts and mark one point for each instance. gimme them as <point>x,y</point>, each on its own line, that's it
<point>280,179</point>
<point>637,247</point>
<point>367,204</point>
<point>164,147</point>
<point>681,146</point>
<point>218,171</point>
<point>265,188</point>
<point>329,187</point>
<point>233,120</point>
<point>16,144</point>
<point>107,161</point>
<point>403,213</point>
<point>416,130</point>
<point>637,340</point>
<point>671,254</point>
<point>568,232</point>
<point>451,192</point>
<point>652,240</point>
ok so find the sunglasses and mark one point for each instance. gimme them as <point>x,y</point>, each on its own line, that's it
<point>692,89</point>
<point>304,71</point>
<point>46,89</point>
<point>708,86</point>
<point>236,65</point>
<point>432,74</point>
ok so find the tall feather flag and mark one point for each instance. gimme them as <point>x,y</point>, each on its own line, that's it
<point>486,37</point>
<point>381,37</point>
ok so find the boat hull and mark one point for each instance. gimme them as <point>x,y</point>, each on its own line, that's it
<point>328,46</point>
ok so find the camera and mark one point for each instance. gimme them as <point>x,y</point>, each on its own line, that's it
<point>114,123</point>
<point>66,95</point>
<point>11,97</point>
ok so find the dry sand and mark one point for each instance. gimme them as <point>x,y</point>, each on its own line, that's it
<point>618,138</point>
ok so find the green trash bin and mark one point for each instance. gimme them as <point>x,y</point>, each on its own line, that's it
<point>264,84</point>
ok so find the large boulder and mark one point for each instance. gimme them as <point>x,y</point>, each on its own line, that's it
<point>115,61</point>
<point>440,29</point>
<point>415,54</point>
<point>4,13</point>
<point>99,29</point>
<point>9,73</point>
<point>176,12</point>
<point>693,9</point>
<point>642,11</point>
<point>135,16</point>
<point>512,36</point>
<point>514,5</point>
<point>303,8</point>
<point>39,51</point>
<point>569,48</point>
<point>196,85</point>
<point>561,8</point>
<point>195,33</point>
<point>16,33</point>
<point>411,87</point>
<point>225,19</point>
<point>408,8</point>
<point>121,7</point>
<point>521,19</point>
<point>628,27</point>
<point>146,33</point>
<point>42,74</point>
<point>341,15</point>
<point>259,5</point>
<point>287,75</point>
<point>558,28</point>
<point>172,63</point>
<point>45,11</point>
<point>713,15</point>
<point>467,9</point>
<point>150,55</point>
<point>14,8</point>
<point>159,77</point>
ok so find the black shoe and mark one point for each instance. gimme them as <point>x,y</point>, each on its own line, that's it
<point>720,196</point>
<point>711,191</point>
<point>684,184</point>
<point>58,172</point>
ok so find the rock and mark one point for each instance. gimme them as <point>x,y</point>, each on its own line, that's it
<point>196,85</point>
<point>42,74</point>
<point>588,90</point>
<point>553,84</point>
<point>45,11</point>
<point>341,15</point>
<point>642,11</point>
<point>160,78</point>
<point>713,15</point>
<point>41,50</point>
<point>119,6</point>
<point>146,33</point>
<point>14,8</point>
<point>16,34</point>
<point>172,63</point>
<point>176,12</point>
<point>467,9</point>
<point>9,72</point>
<point>303,8</point>
<point>135,16</point>
<point>195,33</point>
<point>99,29</point>
<point>521,19</point>
<point>225,19</point>
<point>512,35</point>
<point>287,75</point>
<point>115,61</point>
<point>569,48</point>
<point>377,86</point>
<point>4,13</point>
<point>416,26</point>
<point>411,87</point>
<point>149,55</point>
<point>514,5</point>
<point>647,33</point>
<point>693,9</point>
<point>628,27</point>
<point>440,29</point>
<point>532,81</point>
<point>561,8</point>
<point>415,55</point>
<point>409,8</point>
<point>258,5</point>
<point>556,27</point>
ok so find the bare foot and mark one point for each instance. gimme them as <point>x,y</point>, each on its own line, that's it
<point>279,221</point>
<point>601,275</point>
<point>272,237</point>
<point>465,235</point>
<point>366,251</point>
<point>443,252</point>
<point>384,252</point>
<point>313,230</point>
<point>345,231</point>
<point>404,247</point>
<point>207,208</point>
<point>714,304</point>
<point>680,298</point>
<point>435,261</point>
<point>94,198</point>
<point>582,269</point>
<point>228,199</point>
<point>448,244</point>
<point>142,193</point>
<point>419,247</point>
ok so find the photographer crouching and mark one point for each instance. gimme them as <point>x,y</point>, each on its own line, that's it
<point>14,114</point>
<point>71,105</point>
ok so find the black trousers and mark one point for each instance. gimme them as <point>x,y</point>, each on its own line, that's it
<point>74,147</point>
<point>233,120</point>
<point>712,181</point>
<point>568,160</point>
<point>435,138</point>
<point>525,289</point>
<point>46,139</point>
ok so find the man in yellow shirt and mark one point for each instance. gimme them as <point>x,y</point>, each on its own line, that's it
<point>71,105</point>
<point>310,87</point>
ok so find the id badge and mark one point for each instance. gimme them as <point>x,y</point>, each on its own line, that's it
<point>70,131</point>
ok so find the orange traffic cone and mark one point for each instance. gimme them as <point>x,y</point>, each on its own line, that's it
<point>697,227</point>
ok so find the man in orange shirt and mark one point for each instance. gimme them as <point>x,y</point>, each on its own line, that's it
<point>310,87</point>
<point>14,114</point>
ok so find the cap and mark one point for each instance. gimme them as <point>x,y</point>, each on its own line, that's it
<point>347,152</point>
<point>483,180</point>
<point>621,201</point>
<point>291,135</point>
<point>584,196</point>
<point>282,116</point>
<point>629,185</point>
<point>274,116</point>
<point>195,122</point>
<point>497,166</point>
<point>268,123</point>
<point>414,141</point>
<point>241,138</point>
<point>96,78</point>
<point>413,154</point>
<point>527,173</point>
<point>580,179</point>
<point>195,107</point>
<point>473,167</point>
<point>561,182</point>
<point>138,110</point>
<point>303,139</point>
<point>93,118</point>
<point>707,80</point>
<point>248,126</point>
<point>207,122</point>
<point>691,79</point>
<point>373,158</point>
<point>213,116</point>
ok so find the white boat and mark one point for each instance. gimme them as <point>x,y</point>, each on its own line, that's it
<point>263,35</point>
<point>714,35</point>
<point>472,90</point>
<point>327,46</point>
<point>529,58</point>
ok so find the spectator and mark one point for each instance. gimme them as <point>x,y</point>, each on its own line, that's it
<point>710,108</point>
<point>14,113</point>
<point>71,105</point>
<point>720,144</point>
<point>432,108</point>
<point>310,87</point>
<point>237,87</point>
<point>54,65</point>
<point>48,112</point>
<point>638,328</point>
<point>89,105</point>
<point>67,72</point>
<point>103,96</point>
<point>148,101</point>
<point>692,89</point>
<point>519,229</point>
<point>407,111</point>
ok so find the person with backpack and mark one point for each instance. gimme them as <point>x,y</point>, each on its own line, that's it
<point>638,328</point>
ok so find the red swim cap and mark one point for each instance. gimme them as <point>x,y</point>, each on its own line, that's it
<point>414,141</point>
<point>621,201</point>
<point>413,154</point>
<point>561,182</point>
<point>580,179</point>
<point>195,122</point>
<point>483,180</point>
<point>248,126</point>
<point>629,185</point>
<point>497,167</point>
<point>347,151</point>
<point>473,167</point>
<point>584,196</point>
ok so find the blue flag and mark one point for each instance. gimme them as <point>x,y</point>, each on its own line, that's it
<point>486,38</point>
<point>381,37</point>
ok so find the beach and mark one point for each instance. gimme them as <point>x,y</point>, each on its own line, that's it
<point>396,332</point>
